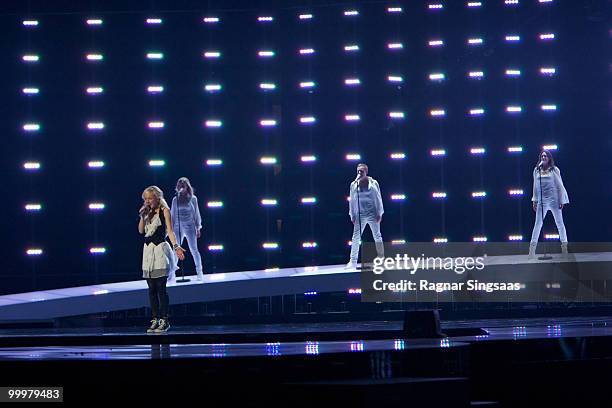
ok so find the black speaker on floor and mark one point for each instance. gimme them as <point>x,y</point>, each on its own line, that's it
<point>422,324</point>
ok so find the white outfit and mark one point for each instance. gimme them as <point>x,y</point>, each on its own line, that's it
<point>368,203</point>
<point>553,194</point>
<point>156,259</point>
<point>186,222</point>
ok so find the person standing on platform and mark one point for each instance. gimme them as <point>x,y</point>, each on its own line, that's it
<point>549,194</point>
<point>156,224</point>
<point>187,222</point>
<point>365,208</point>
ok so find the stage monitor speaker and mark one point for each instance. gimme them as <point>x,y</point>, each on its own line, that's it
<point>422,324</point>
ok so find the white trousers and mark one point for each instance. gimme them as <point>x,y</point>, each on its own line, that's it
<point>356,240</point>
<point>539,221</point>
<point>188,230</point>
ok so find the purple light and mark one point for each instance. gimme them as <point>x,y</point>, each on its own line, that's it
<point>395,79</point>
<point>394,10</point>
<point>551,236</point>
<point>549,107</point>
<point>267,123</point>
<point>97,250</point>
<point>395,46</point>
<point>398,197</point>
<point>475,41</point>
<point>309,245</point>
<point>30,91</point>
<point>436,43</point>
<point>211,20</point>
<point>440,240</point>
<point>436,6</point>
<point>439,195</point>
<point>513,38</point>
<point>31,127</point>
<point>156,125</point>
<point>34,251</point>
<point>309,200</point>
<point>265,54</point>
<point>437,112</point>
<point>353,157</point>
<point>550,147</point>
<point>479,194</point>
<point>265,19</point>
<point>397,156</point>
<point>95,164</point>
<point>30,23</point>
<point>548,71</point>
<point>479,239</point>
<point>515,237</point>
<point>474,4</point>
<point>305,16</point>
<point>476,74</point>
<point>270,245</point>
<point>515,192</point>
<point>438,152</point>
<point>352,81</point>
<point>213,123</point>
<point>307,120</point>
<point>477,151</point>
<point>212,54</point>
<point>94,22</point>
<point>269,202</point>
<point>154,21</point>
<point>307,51</point>
<point>94,57</point>
<point>33,207</point>
<point>96,206</point>
<point>155,89</point>
<point>515,149</point>
<point>514,109</point>
<point>308,159</point>
<point>396,115</point>
<point>351,118</point>
<point>547,36</point>
<point>95,126</point>
<point>215,247</point>
<point>30,58</point>
<point>31,166</point>
<point>351,13</point>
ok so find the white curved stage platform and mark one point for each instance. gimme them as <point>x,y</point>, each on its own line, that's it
<point>50,304</point>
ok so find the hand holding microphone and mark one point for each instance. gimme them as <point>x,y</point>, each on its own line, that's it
<point>144,210</point>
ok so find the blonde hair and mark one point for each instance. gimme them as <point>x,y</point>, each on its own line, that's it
<point>159,195</point>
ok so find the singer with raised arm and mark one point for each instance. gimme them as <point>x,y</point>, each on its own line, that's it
<point>186,220</point>
<point>549,194</point>
<point>365,208</point>
<point>156,224</point>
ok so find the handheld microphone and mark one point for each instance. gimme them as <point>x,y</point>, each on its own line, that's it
<point>540,164</point>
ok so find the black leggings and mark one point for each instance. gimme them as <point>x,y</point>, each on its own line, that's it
<point>158,297</point>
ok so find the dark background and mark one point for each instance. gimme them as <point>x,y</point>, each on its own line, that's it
<point>65,229</point>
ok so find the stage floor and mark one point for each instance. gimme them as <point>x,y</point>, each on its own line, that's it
<point>180,342</point>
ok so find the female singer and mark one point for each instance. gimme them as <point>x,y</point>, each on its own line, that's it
<point>155,224</point>
<point>550,196</point>
<point>187,221</point>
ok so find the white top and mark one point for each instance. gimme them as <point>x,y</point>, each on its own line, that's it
<point>188,212</point>
<point>553,189</point>
<point>373,199</point>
